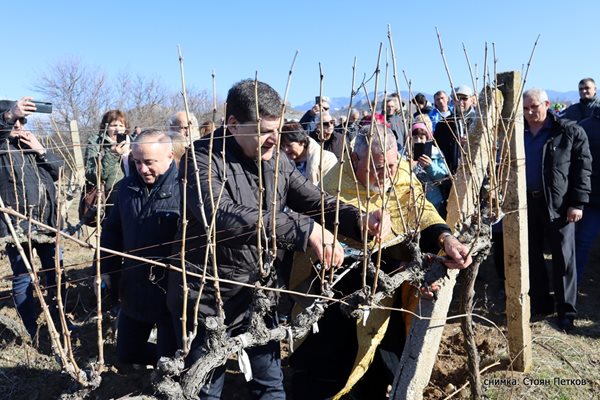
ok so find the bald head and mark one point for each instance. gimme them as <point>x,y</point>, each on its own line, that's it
<point>152,153</point>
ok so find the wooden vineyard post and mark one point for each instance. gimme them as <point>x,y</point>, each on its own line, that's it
<point>422,344</point>
<point>516,257</point>
<point>77,153</point>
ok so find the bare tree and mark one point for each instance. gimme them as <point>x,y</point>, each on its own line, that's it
<point>78,92</point>
<point>146,100</point>
<point>199,103</point>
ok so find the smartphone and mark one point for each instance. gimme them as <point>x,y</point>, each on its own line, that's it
<point>317,99</point>
<point>121,137</point>
<point>43,107</point>
<point>420,149</point>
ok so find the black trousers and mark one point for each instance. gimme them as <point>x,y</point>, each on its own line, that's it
<point>560,236</point>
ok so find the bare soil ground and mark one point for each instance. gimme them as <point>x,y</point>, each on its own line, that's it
<point>564,366</point>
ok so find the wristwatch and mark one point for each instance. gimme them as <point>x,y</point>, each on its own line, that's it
<point>442,239</point>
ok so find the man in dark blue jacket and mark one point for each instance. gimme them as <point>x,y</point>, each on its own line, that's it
<point>143,223</point>
<point>558,169</point>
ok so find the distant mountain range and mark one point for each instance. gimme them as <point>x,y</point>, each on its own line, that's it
<point>360,101</point>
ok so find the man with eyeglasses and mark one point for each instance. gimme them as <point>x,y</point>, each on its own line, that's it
<point>588,102</point>
<point>310,118</point>
<point>558,168</point>
<point>328,364</point>
<point>325,132</point>
<point>178,123</point>
<point>451,133</point>
<point>27,175</point>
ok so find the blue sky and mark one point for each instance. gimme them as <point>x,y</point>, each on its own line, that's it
<point>238,38</point>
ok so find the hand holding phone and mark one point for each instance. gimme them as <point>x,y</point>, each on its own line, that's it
<point>43,107</point>
<point>420,149</point>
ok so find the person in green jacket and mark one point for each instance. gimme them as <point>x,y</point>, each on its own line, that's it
<point>113,142</point>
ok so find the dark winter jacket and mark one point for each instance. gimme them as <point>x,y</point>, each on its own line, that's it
<point>143,223</point>
<point>236,222</point>
<point>334,144</point>
<point>309,121</point>
<point>592,128</point>
<point>567,167</point>
<point>27,186</point>
<point>584,109</point>
<point>397,126</point>
<point>450,132</point>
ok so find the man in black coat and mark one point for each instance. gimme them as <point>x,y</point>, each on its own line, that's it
<point>143,223</point>
<point>588,102</point>
<point>558,169</point>
<point>451,132</point>
<point>239,155</point>
<point>27,175</point>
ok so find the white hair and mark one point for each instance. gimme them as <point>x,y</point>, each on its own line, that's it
<point>536,93</point>
<point>382,135</point>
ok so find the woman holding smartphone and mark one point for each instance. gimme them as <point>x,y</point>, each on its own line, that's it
<point>429,165</point>
<point>112,142</point>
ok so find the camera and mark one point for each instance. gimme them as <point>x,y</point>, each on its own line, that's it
<point>43,107</point>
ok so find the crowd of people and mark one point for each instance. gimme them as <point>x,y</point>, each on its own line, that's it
<point>395,182</point>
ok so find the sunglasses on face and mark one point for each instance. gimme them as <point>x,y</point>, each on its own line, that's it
<point>328,123</point>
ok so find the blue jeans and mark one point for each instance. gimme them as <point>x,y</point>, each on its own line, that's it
<point>132,340</point>
<point>586,233</point>
<point>22,288</point>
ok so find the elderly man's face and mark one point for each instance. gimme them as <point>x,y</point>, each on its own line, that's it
<point>441,101</point>
<point>391,107</point>
<point>152,159</point>
<point>181,125</point>
<point>534,110</point>
<point>382,169</point>
<point>464,102</point>
<point>247,137</point>
<point>587,90</point>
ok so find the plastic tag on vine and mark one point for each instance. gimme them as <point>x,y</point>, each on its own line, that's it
<point>290,338</point>
<point>244,363</point>
<point>365,317</point>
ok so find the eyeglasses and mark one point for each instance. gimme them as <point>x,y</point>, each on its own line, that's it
<point>328,123</point>
<point>462,98</point>
<point>325,108</point>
